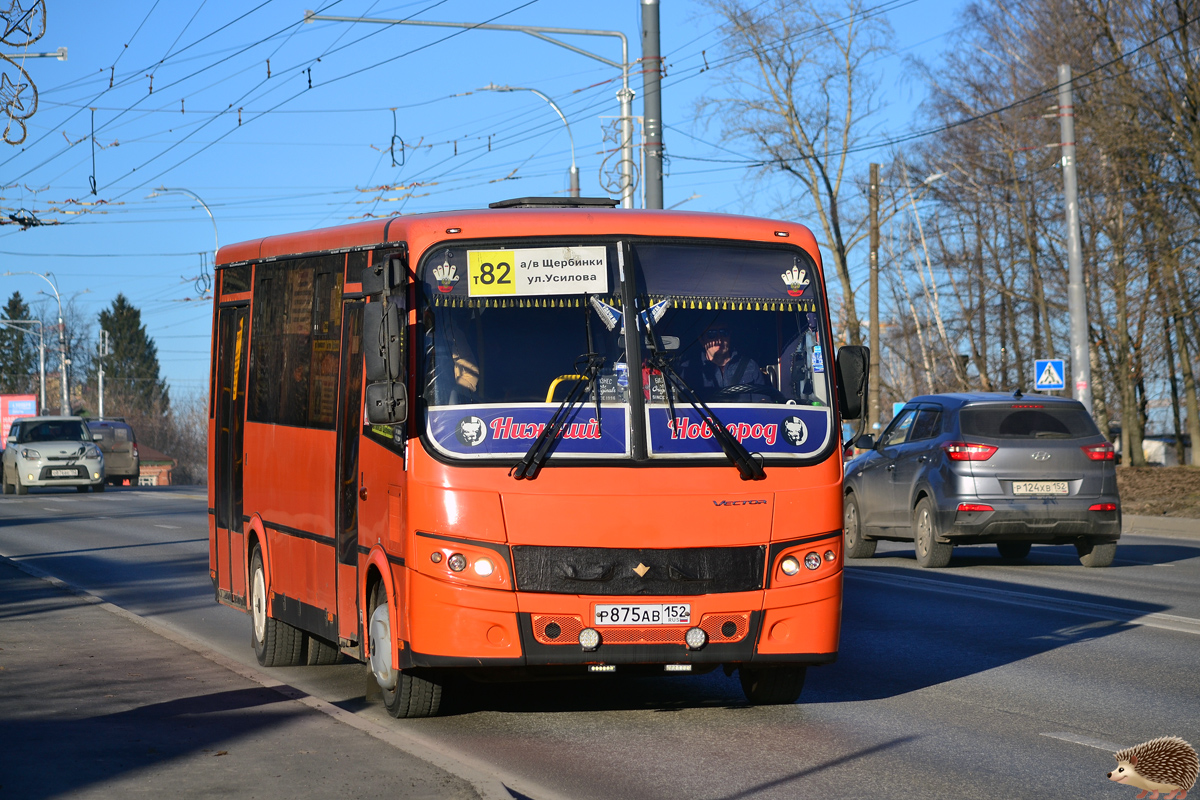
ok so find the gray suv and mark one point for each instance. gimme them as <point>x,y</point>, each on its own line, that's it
<point>985,467</point>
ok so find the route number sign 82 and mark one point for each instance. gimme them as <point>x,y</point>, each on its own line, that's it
<point>491,272</point>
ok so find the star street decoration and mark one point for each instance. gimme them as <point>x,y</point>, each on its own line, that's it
<point>23,26</point>
<point>20,27</point>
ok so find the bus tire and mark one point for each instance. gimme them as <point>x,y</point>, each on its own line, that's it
<point>857,546</point>
<point>320,653</point>
<point>930,552</point>
<point>772,685</point>
<point>405,695</point>
<point>276,643</point>
<point>1092,554</point>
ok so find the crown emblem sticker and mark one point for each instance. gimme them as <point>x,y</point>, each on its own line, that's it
<point>796,280</point>
<point>446,276</point>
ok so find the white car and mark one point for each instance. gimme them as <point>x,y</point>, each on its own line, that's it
<point>51,451</point>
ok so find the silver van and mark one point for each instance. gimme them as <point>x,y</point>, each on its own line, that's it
<point>115,439</point>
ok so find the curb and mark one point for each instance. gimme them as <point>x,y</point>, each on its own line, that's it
<point>1171,527</point>
<point>479,774</point>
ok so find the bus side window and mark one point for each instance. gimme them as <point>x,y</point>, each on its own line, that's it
<point>297,315</point>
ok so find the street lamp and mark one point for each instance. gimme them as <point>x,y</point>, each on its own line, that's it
<point>625,95</point>
<point>163,190</point>
<point>574,173</point>
<point>65,408</point>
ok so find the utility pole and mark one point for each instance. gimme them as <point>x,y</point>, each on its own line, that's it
<point>100,371</point>
<point>1081,365</point>
<point>873,414</point>
<point>652,104</point>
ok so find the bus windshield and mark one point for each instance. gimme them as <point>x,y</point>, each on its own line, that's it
<point>507,332</point>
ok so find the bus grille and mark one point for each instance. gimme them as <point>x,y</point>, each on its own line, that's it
<point>615,571</point>
<point>567,627</point>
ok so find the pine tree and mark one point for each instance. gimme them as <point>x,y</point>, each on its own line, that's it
<point>131,372</point>
<point>18,349</point>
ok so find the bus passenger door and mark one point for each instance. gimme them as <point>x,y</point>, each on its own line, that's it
<point>233,330</point>
<point>349,432</point>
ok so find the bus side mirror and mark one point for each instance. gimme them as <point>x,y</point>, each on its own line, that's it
<point>387,403</point>
<point>383,342</point>
<point>853,366</point>
<point>387,273</point>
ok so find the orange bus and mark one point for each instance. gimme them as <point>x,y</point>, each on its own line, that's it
<point>545,438</point>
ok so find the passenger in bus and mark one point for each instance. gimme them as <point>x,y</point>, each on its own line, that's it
<point>458,383</point>
<point>720,369</point>
<point>803,365</point>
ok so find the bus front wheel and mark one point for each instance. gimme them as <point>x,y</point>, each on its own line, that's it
<point>405,695</point>
<point>276,643</point>
<point>772,685</point>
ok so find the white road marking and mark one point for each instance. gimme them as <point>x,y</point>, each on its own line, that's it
<point>1170,622</point>
<point>1086,741</point>
<point>168,527</point>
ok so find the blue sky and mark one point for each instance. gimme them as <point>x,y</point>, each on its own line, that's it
<point>305,157</point>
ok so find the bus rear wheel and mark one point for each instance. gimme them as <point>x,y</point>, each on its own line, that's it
<point>773,685</point>
<point>276,643</point>
<point>405,695</point>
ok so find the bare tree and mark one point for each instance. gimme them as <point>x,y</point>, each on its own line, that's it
<point>798,93</point>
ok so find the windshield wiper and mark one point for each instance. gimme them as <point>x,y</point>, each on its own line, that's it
<point>734,450</point>
<point>529,466</point>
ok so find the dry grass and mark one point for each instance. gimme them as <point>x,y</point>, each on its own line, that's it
<point>1160,491</point>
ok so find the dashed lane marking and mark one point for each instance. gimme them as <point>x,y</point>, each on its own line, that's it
<point>1086,741</point>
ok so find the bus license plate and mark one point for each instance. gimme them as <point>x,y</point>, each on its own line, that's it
<point>644,614</point>
<point>64,473</point>
<point>1039,487</point>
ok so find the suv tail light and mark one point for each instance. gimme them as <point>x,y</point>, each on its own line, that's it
<point>974,507</point>
<point>1103,507</point>
<point>1100,452</point>
<point>964,451</point>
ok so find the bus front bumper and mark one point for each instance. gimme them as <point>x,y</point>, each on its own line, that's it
<point>457,626</point>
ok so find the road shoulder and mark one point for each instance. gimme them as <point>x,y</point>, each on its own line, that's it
<point>98,704</point>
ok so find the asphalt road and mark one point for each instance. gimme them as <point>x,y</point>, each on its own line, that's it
<point>984,679</point>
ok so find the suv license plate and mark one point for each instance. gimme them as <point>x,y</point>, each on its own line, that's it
<point>64,473</point>
<point>1039,487</point>
<point>643,614</point>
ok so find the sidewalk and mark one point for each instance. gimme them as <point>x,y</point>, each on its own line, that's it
<point>1173,527</point>
<point>94,705</point>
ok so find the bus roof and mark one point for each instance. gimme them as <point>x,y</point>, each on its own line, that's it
<point>424,230</point>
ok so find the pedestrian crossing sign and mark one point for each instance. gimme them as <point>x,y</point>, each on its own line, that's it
<point>1049,374</point>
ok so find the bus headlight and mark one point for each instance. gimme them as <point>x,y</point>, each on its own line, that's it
<point>484,567</point>
<point>695,638</point>
<point>812,561</point>
<point>789,566</point>
<point>457,562</point>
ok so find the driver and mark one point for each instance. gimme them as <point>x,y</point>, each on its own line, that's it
<point>721,370</point>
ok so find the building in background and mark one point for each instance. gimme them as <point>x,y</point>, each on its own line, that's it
<point>155,467</point>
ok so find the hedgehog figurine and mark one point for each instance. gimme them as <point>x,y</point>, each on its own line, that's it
<point>1166,765</point>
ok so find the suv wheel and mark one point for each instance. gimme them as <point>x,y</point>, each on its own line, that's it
<point>930,552</point>
<point>857,546</point>
<point>1092,554</point>
<point>1014,550</point>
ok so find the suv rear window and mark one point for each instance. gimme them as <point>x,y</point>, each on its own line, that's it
<point>1012,422</point>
